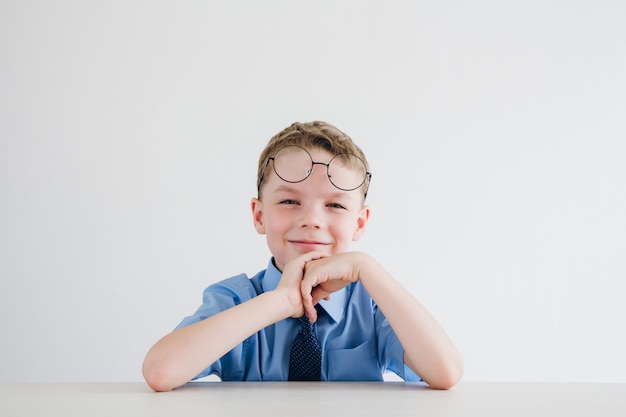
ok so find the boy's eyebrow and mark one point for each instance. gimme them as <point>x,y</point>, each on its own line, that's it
<point>290,189</point>
<point>285,187</point>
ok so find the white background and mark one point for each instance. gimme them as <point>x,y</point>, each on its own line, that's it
<point>496,131</point>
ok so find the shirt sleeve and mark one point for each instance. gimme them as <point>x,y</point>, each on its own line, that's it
<point>217,298</point>
<point>390,350</point>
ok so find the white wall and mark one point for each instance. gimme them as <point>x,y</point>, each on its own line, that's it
<point>129,133</point>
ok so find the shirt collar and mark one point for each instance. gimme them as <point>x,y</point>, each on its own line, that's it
<point>334,307</point>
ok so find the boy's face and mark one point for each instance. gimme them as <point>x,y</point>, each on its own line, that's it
<point>312,215</point>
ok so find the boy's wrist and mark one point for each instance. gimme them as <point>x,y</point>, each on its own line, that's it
<point>364,264</point>
<point>286,305</point>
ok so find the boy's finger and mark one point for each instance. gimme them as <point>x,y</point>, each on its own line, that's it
<point>310,312</point>
<point>319,294</point>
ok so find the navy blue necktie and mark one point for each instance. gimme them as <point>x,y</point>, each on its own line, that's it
<point>305,360</point>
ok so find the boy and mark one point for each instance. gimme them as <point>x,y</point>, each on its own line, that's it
<point>355,318</point>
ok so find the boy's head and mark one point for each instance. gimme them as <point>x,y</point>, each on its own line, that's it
<point>317,135</point>
<point>312,182</point>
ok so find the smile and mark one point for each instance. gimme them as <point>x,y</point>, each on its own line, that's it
<point>307,244</point>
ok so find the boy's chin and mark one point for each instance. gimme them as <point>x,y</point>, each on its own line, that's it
<point>281,262</point>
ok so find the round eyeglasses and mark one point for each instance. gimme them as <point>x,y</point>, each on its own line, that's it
<point>294,164</point>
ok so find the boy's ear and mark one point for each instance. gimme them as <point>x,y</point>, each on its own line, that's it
<point>257,215</point>
<point>361,222</point>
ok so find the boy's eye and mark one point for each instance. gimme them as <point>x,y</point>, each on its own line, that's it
<point>337,206</point>
<point>288,202</point>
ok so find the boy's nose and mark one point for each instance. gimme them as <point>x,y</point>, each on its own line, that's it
<point>311,218</point>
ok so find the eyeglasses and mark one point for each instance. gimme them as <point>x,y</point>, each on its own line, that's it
<point>294,164</point>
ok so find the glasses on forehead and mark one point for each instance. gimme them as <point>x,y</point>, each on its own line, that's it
<point>294,164</point>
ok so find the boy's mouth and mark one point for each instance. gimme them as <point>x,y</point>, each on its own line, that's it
<point>308,244</point>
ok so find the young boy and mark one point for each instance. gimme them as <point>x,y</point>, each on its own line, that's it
<point>312,183</point>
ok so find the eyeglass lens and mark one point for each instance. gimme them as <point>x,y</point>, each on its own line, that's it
<point>294,164</point>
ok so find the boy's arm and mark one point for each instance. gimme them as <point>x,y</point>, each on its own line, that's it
<point>184,353</point>
<point>428,351</point>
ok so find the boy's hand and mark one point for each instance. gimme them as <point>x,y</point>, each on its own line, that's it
<point>324,276</point>
<point>291,281</point>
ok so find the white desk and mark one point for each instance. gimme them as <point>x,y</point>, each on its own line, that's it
<point>314,399</point>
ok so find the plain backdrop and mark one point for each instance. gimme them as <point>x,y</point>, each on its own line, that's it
<point>496,132</point>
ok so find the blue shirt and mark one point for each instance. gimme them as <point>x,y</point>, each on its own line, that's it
<point>358,344</point>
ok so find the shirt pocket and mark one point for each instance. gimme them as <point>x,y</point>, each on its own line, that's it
<point>356,364</point>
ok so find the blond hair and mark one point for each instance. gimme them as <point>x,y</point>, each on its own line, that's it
<point>311,135</point>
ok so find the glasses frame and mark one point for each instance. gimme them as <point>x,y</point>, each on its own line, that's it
<point>367,178</point>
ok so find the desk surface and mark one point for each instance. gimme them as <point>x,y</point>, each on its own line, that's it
<point>314,399</point>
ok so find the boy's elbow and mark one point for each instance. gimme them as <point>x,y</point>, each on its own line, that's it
<point>157,377</point>
<point>157,383</point>
<point>448,377</point>
<point>445,382</point>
